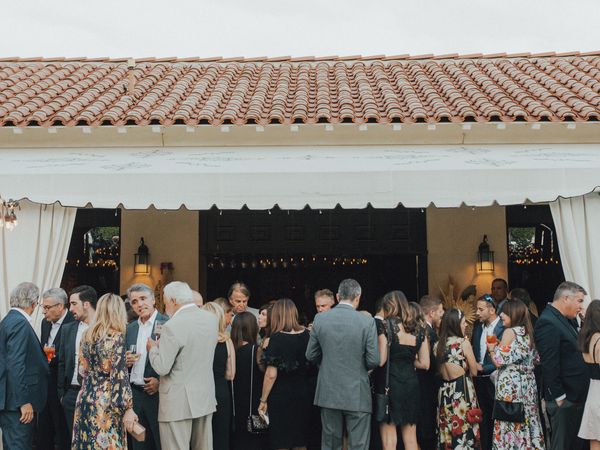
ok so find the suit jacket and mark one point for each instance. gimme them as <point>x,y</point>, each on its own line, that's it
<point>46,327</point>
<point>131,335</point>
<point>23,365</point>
<point>344,341</point>
<point>563,368</point>
<point>66,356</point>
<point>184,361</point>
<point>488,365</point>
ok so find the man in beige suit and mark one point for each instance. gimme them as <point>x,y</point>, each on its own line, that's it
<point>183,357</point>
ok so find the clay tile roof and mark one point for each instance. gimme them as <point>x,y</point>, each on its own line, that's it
<point>285,90</point>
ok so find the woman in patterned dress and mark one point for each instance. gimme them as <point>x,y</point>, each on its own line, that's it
<point>456,396</point>
<point>515,358</point>
<point>104,404</point>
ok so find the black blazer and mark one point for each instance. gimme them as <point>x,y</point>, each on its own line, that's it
<point>66,356</point>
<point>563,368</point>
<point>46,327</point>
<point>131,335</point>
<point>23,365</point>
<point>488,365</point>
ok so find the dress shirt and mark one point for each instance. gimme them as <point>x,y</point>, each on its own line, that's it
<point>27,316</point>
<point>487,331</point>
<point>144,332</point>
<point>80,330</point>
<point>55,327</point>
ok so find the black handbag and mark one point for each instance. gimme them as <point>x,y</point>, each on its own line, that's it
<point>382,401</point>
<point>509,411</point>
<point>255,423</point>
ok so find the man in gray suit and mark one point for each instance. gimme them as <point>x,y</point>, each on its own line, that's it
<point>184,359</point>
<point>344,343</point>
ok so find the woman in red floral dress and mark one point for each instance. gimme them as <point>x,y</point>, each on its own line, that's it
<point>457,401</point>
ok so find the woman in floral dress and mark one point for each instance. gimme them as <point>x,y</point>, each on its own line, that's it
<point>104,405</point>
<point>515,358</point>
<point>456,397</point>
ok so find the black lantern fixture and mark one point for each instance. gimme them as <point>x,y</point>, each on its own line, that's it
<point>485,257</point>
<point>141,260</point>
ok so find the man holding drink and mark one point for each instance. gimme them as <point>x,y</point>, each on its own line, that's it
<point>144,380</point>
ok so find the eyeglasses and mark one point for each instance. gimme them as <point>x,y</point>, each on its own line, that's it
<point>49,307</point>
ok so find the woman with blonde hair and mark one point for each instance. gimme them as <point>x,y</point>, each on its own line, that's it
<point>285,393</point>
<point>104,404</point>
<point>224,373</point>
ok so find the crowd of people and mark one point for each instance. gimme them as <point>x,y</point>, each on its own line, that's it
<point>227,376</point>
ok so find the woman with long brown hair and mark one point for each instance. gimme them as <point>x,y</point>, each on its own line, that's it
<point>589,344</point>
<point>104,406</point>
<point>408,350</point>
<point>515,358</point>
<point>285,391</point>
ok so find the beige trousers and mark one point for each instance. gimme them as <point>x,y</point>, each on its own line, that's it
<point>189,434</point>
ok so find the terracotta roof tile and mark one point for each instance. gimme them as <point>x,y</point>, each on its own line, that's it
<point>285,90</point>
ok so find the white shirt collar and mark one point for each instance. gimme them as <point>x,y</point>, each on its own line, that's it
<point>186,306</point>
<point>60,321</point>
<point>150,320</point>
<point>493,324</point>
<point>27,316</point>
<point>429,323</point>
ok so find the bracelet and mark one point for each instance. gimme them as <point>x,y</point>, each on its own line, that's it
<point>263,401</point>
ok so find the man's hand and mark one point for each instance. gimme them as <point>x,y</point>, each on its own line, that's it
<point>151,386</point>
<point>130,359</point>
<point>479,368</point>
<point>26,413</point>
<point>151,343</point>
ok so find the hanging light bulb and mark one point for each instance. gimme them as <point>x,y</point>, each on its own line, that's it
<point>8,217</point>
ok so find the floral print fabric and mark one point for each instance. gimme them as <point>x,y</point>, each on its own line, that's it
<point>104,397</point>
<point>516,383</point>
<point>455,431</point>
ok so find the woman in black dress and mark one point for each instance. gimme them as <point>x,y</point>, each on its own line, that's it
<point>224,373</point>
<point>246,394</point>
<point>285,391</point>
<point>408,350</point>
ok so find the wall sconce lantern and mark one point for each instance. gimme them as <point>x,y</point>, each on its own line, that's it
<point>485,257</point>
<point>141,260</point>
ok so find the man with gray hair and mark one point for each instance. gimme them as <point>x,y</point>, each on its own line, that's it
<point>23,370</point>
<point>144,379</point>
<point>183,357</point>
<point>344,342</point>
<point>565,379</point>
<point>51,429</point>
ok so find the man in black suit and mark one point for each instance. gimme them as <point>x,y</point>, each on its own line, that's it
<point>489,323</point>
<point>23,370</point>
<point>82,304</point>
<point>144,379</point>
<point>51,426</point>
<point>565,379</point>
<point>428,382</point>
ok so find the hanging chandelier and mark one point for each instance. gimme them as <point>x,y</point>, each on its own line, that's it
<point>8,218</point>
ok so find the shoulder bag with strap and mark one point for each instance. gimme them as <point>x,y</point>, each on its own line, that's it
<point>382,401</point>
<point>255,424</point>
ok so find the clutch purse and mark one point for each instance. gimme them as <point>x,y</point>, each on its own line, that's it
<point>138,432</point>
<point>509,411</point>
<point>257,424</point>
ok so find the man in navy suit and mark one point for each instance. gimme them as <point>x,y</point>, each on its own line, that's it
<point>144,379</point>
<point>23,370</point>
<point>489,323</point>
<point>565,378</point>
<point>52,426</point>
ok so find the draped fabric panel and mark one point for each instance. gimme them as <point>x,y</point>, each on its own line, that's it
<point>577,222</point>
<point>36,250</point>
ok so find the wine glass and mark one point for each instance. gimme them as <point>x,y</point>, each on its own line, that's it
<point>158,326</point>
<point>50,351</point>
<point>133,352</point>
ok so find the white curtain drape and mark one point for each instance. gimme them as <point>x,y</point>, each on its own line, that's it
<point>577,222</point>
<point>36,250</point>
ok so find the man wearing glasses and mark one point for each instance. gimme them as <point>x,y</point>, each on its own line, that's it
<point>23,369</point>
<point>489,324</point>
<point>52,426</point>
